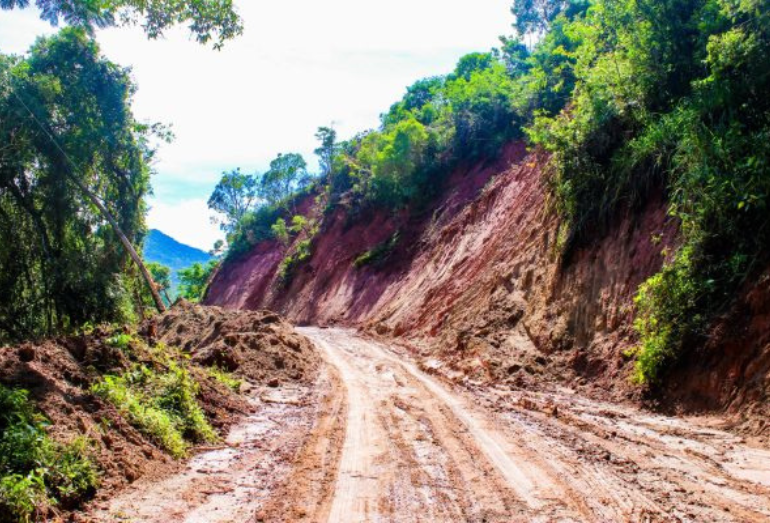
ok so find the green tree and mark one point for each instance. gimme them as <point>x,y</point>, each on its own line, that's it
<point>281,180</point>
<point>233,197</point>
<point>161,275</point>
<point>327,149</point>
<point>194,280</point>
<point>207,20</point>
<point>72,155</point>
<point>536,16</point>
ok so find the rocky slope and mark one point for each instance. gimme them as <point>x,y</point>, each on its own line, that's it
<point>474,285</point>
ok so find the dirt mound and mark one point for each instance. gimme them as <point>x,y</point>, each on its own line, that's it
<point>59,374</point>
<point>257,345</point>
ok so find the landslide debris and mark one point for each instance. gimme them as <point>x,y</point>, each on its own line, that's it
<point>194,359</point>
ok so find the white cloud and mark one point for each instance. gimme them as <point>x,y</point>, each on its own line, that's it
<point>187,221</point>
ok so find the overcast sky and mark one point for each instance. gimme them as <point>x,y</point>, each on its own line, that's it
<point>299,64</point>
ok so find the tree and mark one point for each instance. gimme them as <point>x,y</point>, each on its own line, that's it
<point>162,277</point>
<point>233,197</point>
<point>327,150</point>
<point>280,181</point>
<point>72,158</point>
<point>536,16</point>
<point>471,63</point>
<point>218,248</point>
<point>194,280</point>
<point>207,20</point>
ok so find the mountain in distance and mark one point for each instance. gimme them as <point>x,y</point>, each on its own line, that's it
<point>162,248</point>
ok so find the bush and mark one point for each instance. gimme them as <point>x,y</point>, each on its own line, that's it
<point>289,265</point>
<point>669,94</point>
<point>35,471</point>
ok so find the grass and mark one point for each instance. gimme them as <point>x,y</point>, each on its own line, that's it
<point>162,405</point>
<point>36,472</point>
<point>225,378</point>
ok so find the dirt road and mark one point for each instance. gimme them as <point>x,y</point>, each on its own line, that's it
<point>417,450</point>
<point>381,440</point>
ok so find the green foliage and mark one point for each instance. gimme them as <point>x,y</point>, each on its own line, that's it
<point>287,175</point>
<point>161,275</point>
<point>327,149</point>
<point>161,405</point>
<point>60,264</point>
<point>256,226</point>
<point>378,254</point>
<point>35,471</point>
<point>668,93</point>
<point>194,280</point>
<point>537,16</point>
<point>280,231</point>
<point>226,378</point>
<point>121,341</point>
<point>206,19</point>
<point>302,250</point>
<point>233,197</point>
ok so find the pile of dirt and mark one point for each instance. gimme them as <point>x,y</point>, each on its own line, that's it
<point>477,288</point>
<point>259,347</point>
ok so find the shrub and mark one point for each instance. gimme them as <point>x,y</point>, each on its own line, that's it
<point>288,266</point>
<point>225,378</point>
<point>120,341</point>
<point>35,471</point>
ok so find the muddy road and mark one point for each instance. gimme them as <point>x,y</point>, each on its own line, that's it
<point>381,440</point>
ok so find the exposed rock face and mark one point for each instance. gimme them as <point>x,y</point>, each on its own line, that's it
<point>476,281</point>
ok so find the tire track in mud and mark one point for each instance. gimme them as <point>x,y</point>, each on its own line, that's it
<point>419,450</point>
<point>307,492</point>
<point>377,439</point>
<point>490,478</point>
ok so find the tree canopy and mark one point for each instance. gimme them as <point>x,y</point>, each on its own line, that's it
<point>207,20</point>
<point>233,197</point>
<point>65,115</point>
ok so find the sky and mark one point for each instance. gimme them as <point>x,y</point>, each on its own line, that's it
<point>299,64</point>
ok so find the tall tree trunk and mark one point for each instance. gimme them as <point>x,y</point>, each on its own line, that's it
<point>124,240</point>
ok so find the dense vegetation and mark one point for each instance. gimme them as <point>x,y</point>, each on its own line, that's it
<point>670,94</point>
<point>207,19</point>
<point>161,404</point>
<point>74,166</point>
<point>64,116</point>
